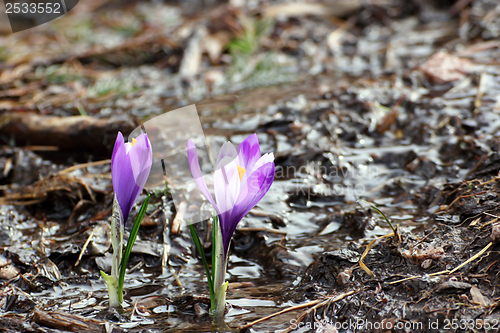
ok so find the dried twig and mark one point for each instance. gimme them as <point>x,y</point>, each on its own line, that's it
<point>420,241</point>
<point>292,308</point>
<point>330,300</point>
<point>474,257</point>
<point>85,246</point>
<point>419,276</point>
<point>179,217</point>
<point>365,253</point>
<point>316,303</point>
<point>66,321</point>
<point>85,165</point>
<point>76,133</point>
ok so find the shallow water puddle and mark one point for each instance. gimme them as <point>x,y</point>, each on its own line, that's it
<point>370,126</point>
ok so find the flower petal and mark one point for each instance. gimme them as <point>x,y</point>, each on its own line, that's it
<point>117,149</point>
<point>254,189</point>
<point>194,165</point>
<point>227,178</point>
<point>241,180</point>
<point>141,159</point>
<point>249,152</point>
<point>251,192</point>
<point>124,185</point>
<point>226,186</point>
<point>227,151</point>
<point>264,159</point>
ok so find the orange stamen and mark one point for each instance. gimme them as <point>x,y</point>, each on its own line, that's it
<point>134,141</point>
<point>241,172</point>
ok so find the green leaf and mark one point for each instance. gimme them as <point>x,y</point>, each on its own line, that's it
<point>106,277</point>
<point>128,248</point>
<point>385,217</point>
<point>197,242</point>
<point>112,290</point>
<point>215,232</point>
<point>215,225</point>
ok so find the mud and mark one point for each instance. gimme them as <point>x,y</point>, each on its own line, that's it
<point>392,104</point>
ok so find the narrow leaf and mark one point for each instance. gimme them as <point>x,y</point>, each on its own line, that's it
<point>130,243</point>
<point>197,242</point>
<point>385,217</point>
<point>215,232</point>
<point>112,284</point>
<point>117,224</point>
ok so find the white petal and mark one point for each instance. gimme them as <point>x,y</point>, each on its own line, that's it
<point>226,183</point>
<point>128,145</point>
<point>266,158</point>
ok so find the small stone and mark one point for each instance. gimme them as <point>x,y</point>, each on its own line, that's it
<point>199,310</point>
<point>495,232</point>
<point>142,310</point>
<point>9,272</point>
<point>344,277</point>
<point>426,263</point>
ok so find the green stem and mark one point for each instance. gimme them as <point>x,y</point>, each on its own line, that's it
<point>219,266</point>
<point>216,280</point>
<point>116,237</point>
<point>119,263</point>
<point>115,299</point>
<point>128,248</point>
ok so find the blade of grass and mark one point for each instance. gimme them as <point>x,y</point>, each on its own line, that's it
<point>128,248</point>
<point>386,219</point>
<point>197,242</point>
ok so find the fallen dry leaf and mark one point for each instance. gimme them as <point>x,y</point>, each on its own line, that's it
<point>420,255</point>
<point>443,67</point>
<point>477,297</point>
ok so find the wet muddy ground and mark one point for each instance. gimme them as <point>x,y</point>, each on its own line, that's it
<point>387,103</point>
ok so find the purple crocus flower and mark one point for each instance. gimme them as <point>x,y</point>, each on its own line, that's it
<point>242,178</point>
<point>130,167</point>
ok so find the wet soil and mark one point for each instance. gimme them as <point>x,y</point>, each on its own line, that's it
<point>391,103</point>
